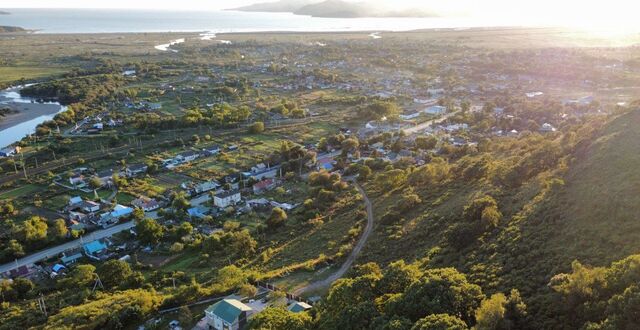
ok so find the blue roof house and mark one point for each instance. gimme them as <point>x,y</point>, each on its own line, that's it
<point>93,248</point>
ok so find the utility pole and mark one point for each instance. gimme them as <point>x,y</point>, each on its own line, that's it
<point>24,166</point>
<point>97,283</point>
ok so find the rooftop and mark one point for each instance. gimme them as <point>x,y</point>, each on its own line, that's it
<point>228,309</point>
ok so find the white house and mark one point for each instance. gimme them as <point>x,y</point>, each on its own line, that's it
<point>135,169</point>
<point>146,204</point>
<point>90,206</point>
<point>187,156</point>
<point>410,116</point>
<point>227,314</point>
<point>226,198</point>
<point>435,110</point>
<point>546,127</point>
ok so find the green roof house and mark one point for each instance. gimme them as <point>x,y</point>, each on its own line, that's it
<point>299,306</point>
<point>227,314</point>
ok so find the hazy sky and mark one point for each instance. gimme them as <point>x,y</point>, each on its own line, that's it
<point>618,13</point>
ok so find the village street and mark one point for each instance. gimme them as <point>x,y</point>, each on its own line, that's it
<point>54,251</point>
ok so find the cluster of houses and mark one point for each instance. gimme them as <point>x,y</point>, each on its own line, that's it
<point>188,156</point>
<point>80,177</point>
<point>84,213</point>
<point>433,110</point>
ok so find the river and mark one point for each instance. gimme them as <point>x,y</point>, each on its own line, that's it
<point>31,113</point>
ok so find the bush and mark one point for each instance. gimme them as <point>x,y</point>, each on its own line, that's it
<point>256,128</point>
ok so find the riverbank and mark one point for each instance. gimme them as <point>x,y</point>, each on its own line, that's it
<point>25,112</point>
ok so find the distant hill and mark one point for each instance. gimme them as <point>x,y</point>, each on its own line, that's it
<point>11,29</point>
<point>4,12</point>
<point>282,6</point>
<point>334,9</point>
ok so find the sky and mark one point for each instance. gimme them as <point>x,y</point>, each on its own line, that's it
<point>616,14</point>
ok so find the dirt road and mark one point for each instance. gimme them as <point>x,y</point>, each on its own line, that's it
<point>352,256</point>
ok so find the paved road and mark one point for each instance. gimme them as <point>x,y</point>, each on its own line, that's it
<point>352,256</point>
<point>423,126</point>
<point>56,250</point>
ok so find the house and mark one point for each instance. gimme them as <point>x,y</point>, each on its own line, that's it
<point>68,260</point>
<point>187,156</point>
<point>90,206</point>
<point>227,314</point>
<point>93,249</point>
<point>75,200</point>
<point>226,198</point>
<point>410,116</point>
<point>135,169</point>
<point>120,211</point>
<point>206,186</point>
<point>198,212</point>
<point>111,218</point>
<point>211,151</point>
<point>146,204</point>
<point>546,128</point>
<point>435,110</point>
<point>326,163</point>
<point>105,176</point>
<point>77,180</point>
<point>299,306</point>
<point>264,185</point>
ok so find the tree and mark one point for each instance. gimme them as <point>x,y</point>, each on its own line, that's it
<point>277,218</point>
<point>438,291</point>
<point>491,312</point>
<point>95,183</point>
<point>176,247</point>
<point>379,110</point>
<point>280,318</point>
<point>114,273</point>
<point>14,249</point>
<point>256,128</point>
<point>149,231</point>
<point>398,276</point>
<point>248,290</point>
<point>180,202</point>
<point>426,142</point>
<point>364,172</point>
<point>23,287</point>
<point>184,315</point>
<point>230,277</point>
<point>34,229</point>
<point>80,277</point>
<point>243,244</point>
<point>440,322</point>
<point>138,214</point>
<point>58,230</point>
<point>185,229</point>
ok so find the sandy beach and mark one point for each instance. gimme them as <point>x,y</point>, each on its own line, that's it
<point>26,112</point>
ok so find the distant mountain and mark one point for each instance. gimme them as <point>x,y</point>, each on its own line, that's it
<point>4,12</point>
<point>282,6</point>
<point>11,29</point>
<point>335,9</point>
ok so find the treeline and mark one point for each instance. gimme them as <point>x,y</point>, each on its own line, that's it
<point>73,90</point>
<point>404,297</point>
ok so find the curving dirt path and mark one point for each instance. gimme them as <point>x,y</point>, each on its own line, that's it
<point>352,256</point>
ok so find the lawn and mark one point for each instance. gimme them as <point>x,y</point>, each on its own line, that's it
<point>21,191</point>
<point>13,73</point>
